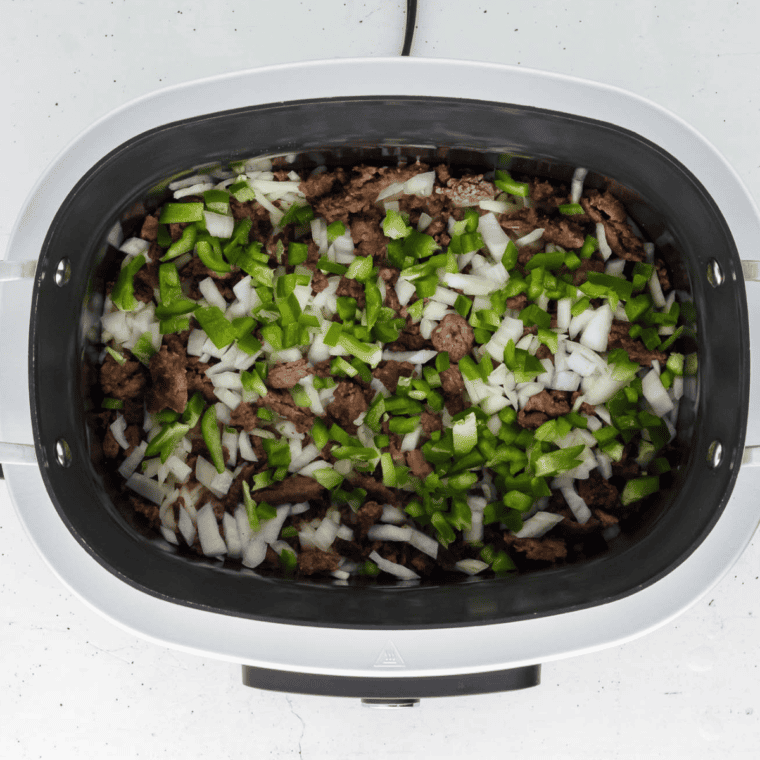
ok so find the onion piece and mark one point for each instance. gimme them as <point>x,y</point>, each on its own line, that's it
<point>270,529</point>
<point>420,184</point>
<point>471,566</point>
<point>230,441</point>
<point>538,525</point>
<point>656,394</point>
<point>404,290</point>
<point>604,247</point>
<point>133,246</point>
<point>212,544</point>
<point>404,573</point>
<point>169,535</point>
<point>424,543</point>
<point>493,235</point>
<point>254,552</point>
<point>186,527</point>
<point>211,293</point>
<point>424,222</point>
<point>219,225</point>
<point>576,184</point>
<point>243,525</point>
<point>147,488</point>
<point>577,505</point>
<point>178,468</point>
<point>597,332</point>
<point>232,536</point>
<point>117,429</point>
<point>656,290</point>
<point>385,532</point>
<point>392,514</point>
<point>531,237</point>
<point>470,284</point>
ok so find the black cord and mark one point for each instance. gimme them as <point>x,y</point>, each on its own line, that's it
<point>411,20</point>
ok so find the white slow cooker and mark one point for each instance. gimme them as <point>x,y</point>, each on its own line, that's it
<point>482,651</point>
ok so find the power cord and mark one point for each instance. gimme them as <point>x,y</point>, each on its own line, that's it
<point>411,20</point>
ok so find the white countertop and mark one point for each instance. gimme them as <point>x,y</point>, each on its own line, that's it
<point>76,686</point>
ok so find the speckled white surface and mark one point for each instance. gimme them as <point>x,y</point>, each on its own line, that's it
<point>75,686</point>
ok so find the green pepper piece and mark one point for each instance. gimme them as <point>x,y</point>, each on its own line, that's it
<point>213,438</point>
<point>185,244</point>
<point>123,293</point>
<point>211,258</point>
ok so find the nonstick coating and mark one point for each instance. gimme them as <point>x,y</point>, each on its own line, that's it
<point>661,195</point>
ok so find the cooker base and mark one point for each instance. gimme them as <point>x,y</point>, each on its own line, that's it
<point>397,690</point>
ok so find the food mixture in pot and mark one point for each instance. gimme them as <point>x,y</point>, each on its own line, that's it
<point>388,371</point>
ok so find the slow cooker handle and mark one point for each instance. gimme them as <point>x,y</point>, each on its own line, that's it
<point>392,692</point>
<point>17,453</point>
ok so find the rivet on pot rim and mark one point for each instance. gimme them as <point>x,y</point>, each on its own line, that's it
<point>63,272</point>
<point>63,453</point>
<point>714,273</point>
<point>715,454</point>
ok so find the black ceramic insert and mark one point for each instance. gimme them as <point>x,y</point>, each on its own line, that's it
<point>662,196</point>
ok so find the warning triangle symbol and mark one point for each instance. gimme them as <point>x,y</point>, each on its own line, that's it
<point>389,657</point>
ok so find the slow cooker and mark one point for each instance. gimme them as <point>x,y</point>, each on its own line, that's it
<point>386,643</point>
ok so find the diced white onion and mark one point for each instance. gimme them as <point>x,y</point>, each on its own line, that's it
<point>385,532</point>
<point>186,527</point>
<point>597,332</point>
<point>243,525</point>
<point>493,235</point>
<point>219,225</point>
<point>230,442</point>
<point>420,184</point>
<point>211,293</point>
<point>226,380</point>
<point>147,488</point>
<point>270,529</point>
<point>169,535</point>
<point>392,192</point>
<point>221,483</point>
<point>319,233</point>
<point>205,472</point>
<point>404,290</point>
<point>601,236</point>
<point>538,525</point>
<point>392,514</point>
<point>471,566</point>
<point>426,544</point>
<point>178,468</point>
<point>470,284</point>
<point>576,184</point>
<point>229,398</point>
<point>424,222</point>
<point>117,428</point>
<point>134,246</point>
<point>605,464</point>
<point>212,544</point>
<point>254,553</point>
<point>577,505</point>
<point>195,342</point>
<point>656,394</point>
<point>656,290</point>
<point>392,568</point>
<point>531,237</point>
<point>232,536</point>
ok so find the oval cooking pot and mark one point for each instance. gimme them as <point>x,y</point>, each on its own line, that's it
<point>380,641</point>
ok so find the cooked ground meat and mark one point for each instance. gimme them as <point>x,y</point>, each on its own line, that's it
<point>454,335</point>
